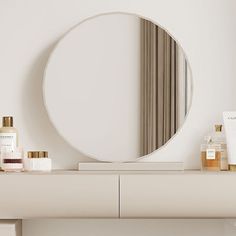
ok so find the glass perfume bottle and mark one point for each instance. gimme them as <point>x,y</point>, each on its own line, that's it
<point>211,155</point>
<point>218,137</point>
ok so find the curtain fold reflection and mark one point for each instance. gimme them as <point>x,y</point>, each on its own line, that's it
<point>164,88</point>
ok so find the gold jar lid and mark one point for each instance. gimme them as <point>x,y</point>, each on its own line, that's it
<point>37,154</point>
<point>218,128</point>
<point>7,121</point>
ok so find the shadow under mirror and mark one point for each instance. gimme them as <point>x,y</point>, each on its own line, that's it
<point>117,87</point>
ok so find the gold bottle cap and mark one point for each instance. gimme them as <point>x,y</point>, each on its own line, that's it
<point>218,128</point>
<point>37,154</point>
<point>232,167</point>
<point>7,121</point>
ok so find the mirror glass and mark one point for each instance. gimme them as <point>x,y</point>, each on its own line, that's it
<point>117,87</point>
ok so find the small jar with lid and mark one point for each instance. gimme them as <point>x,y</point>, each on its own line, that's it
<point>211,156</point>
<point>37,161</point>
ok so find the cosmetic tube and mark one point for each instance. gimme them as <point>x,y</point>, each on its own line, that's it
<point>230,131</point>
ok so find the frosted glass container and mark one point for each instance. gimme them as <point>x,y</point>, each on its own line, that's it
<point>38,164</point>
<point>38,161</point>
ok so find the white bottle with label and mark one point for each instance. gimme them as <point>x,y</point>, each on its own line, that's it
<point>8,135</point>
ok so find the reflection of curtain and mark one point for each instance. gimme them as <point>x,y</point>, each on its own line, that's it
<point>163,97</point>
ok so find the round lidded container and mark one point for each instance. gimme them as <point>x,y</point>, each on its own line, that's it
<point>37,161</point>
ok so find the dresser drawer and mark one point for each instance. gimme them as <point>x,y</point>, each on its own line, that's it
<point>178,195</point>
<point>59,195</point>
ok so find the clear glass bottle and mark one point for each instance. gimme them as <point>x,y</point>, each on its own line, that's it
<point>218,137</point>
<point>211,155</point>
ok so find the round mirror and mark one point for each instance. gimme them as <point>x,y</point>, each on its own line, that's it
<point>117,87</point>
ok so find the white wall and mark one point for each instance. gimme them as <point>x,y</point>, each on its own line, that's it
<point>30,29</point>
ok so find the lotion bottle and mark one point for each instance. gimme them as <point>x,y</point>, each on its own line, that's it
<point>8,134</point>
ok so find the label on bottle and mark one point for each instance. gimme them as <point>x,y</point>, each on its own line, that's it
<point>8,141</point>
<point>210,154</point>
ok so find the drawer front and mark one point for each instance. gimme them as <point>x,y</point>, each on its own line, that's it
<point>41,196</point>
<point>178,195</point>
